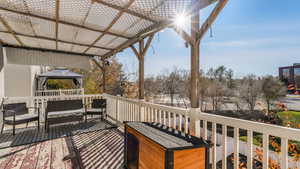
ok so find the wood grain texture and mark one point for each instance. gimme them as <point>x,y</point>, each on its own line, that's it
<point>31,159</point>
<point>44,159</point>
<point>151,155</point>
<point>190,159</point>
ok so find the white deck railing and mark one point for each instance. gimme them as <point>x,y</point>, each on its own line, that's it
<point>59,92</point>
<point>41,101</point>
<point>122,109</point>
<point>205,125</point>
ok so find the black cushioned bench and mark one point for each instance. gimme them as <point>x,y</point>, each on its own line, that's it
<point>62,111</point>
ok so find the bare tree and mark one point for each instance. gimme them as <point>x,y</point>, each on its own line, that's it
<point>249,91</point>
<point>218,83</point>
<point>272,89</point>
<point>216,92</point>
<point>172,83</point>
<point>203,89</point>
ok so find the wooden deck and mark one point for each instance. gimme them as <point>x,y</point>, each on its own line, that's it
<point>31,135</point>
<point>101,149</point>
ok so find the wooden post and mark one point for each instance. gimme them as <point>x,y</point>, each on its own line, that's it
<point>104,79</point>
<point>140,54</point>
<point>103,69</point>
<point>195,54</point>
<point>141,71</point>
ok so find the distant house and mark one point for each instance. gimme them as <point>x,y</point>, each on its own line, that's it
<point>290,75</point>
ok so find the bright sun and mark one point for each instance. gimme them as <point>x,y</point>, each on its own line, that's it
<point>180,20</point>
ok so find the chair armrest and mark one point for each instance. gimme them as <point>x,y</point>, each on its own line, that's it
<point>11,111</point>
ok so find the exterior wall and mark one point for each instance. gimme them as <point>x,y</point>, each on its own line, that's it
<point>291,78</point>
<point>2,91</point>
<point>17,79</point>
<point>2,83</point>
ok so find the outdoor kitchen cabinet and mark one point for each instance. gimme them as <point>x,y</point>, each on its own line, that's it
<point>154,146</point>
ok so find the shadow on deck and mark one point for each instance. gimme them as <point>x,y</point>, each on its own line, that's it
<point>33,135</point>
<point>97,144</point>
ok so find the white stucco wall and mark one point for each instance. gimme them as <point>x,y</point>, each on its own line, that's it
<point>17,80</point>
<point>2,91</point>
<point>2,83</point>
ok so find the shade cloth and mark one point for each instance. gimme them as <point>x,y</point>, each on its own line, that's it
<point>46,58</point>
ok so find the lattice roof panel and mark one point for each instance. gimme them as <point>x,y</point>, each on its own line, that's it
<point>32,42</point>
<point>2,27</point>
<point>104,40</point>
<point>18,23</point>
<point>67,32</point>
<point>86,36</point>
<point>115,42</point>
<point>86,26</point>
<point>78,49</point>
<point>100,16</point>
<point>96,51</point>
<point>44,8</point>
<point>125,19</point>
<point>43,27</point>
<point>14,4</point>
<point>47,44</point>
<point>69,8</point>
<point>8,38</point>
<point>64,46</point>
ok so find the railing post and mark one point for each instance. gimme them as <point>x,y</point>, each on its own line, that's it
<point>117,108</point>
<point>194,122</point>
<point>141,111</point>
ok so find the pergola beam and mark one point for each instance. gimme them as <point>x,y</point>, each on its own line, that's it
<point>212,17</point>
<point>137,54</point>
<point>111,24</point>
<point>54,39</point>
<point>56,22</point>
<point>4,22</point>
<point>47,50</point>
<point>119,8</point>
<point>148,32</point>
<point>148,43</point>
<point>184,35</point>
<point>64,22</point>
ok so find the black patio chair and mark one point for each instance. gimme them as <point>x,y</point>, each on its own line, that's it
<point>18,113</point>
<point>97,107</point>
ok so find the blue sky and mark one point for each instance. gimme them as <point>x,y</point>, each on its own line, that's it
<point>249,36</point>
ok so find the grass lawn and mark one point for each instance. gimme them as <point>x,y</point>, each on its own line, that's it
<point>257,140</point>
<point>291,117</point>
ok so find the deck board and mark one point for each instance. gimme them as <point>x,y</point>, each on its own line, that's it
<point>32,134</point>
<point>57,155</point>
<point>44,159</point>
<point>93,150</point>
<point>18,158</point>
<point>31,159</point>
<point>66,153</point>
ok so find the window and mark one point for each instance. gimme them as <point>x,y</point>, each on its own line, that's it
<point>286,75</point>
<point>297,77</point>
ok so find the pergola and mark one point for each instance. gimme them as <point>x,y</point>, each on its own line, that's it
<point>89,28</point>
<point>58,73</point>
